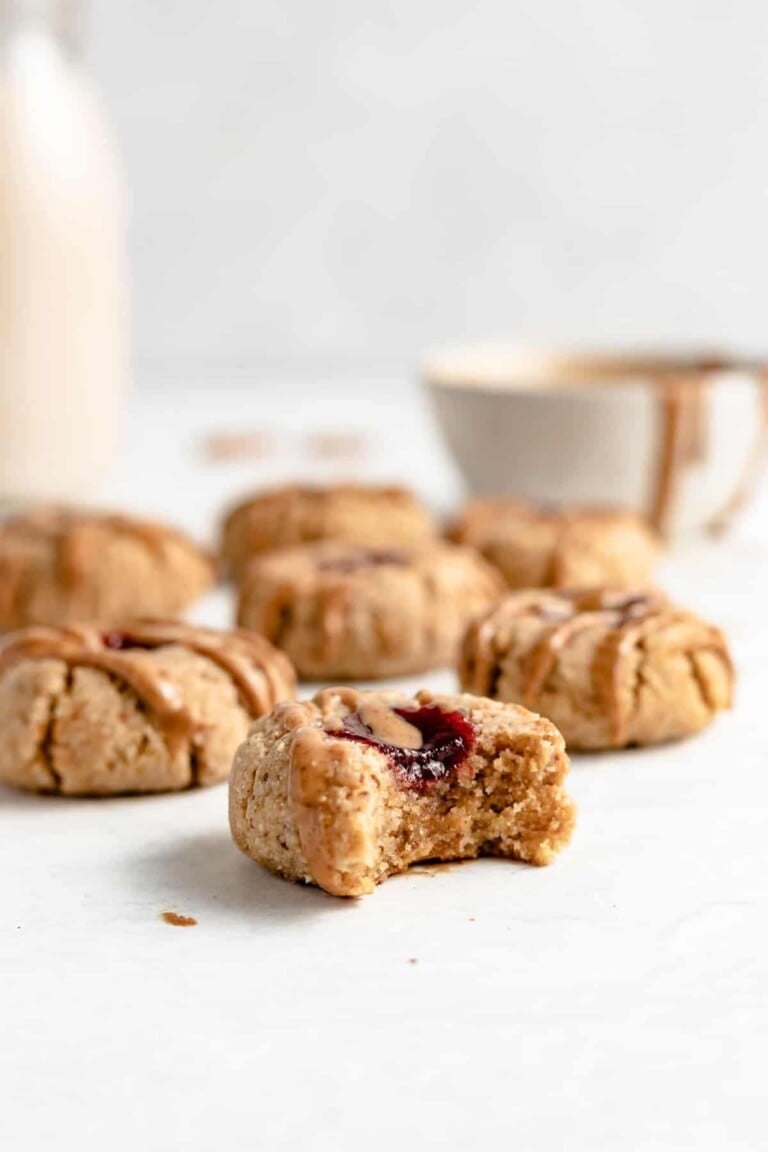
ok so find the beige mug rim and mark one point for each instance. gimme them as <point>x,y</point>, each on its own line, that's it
<point>499,367</point>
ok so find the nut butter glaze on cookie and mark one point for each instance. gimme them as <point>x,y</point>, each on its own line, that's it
<point>423,744</point>
<point>61,566</point>
<point>181,698</point>
<point>367,515</point>
<point>542,546</point>
<point>342,612</point>
<point>351,787</point>
<point>610,667</point>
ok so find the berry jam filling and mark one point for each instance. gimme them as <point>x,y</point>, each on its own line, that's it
<point>365,558</point>
<point>119,642</point>
<point>443,742</point>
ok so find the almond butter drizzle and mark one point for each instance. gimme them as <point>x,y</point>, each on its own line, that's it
<point>683,440</point>
<point>752,469</point>
<point>543,655</point>
<point>559,555</point>
<point>477,659</point>
<point>64,527</point>
<point>261,675</point>
<point>627,632</point>
<point>683,403</point>
<point>387,726</point>
<point>479,646</point>
<point>628,618</point>
<point>622,615</point>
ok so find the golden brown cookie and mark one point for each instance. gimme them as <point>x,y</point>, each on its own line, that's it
<point>351,787</point>
<point>61,566</point>
<point>345,613</point>
<point>536,547</point>
<point>610,668</point>
<point>156,706</point>
<point>369,515</point>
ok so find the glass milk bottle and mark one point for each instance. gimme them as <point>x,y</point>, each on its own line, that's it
<point>63,323</point>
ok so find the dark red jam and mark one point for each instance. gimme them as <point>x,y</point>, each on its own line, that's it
<point>447,740</point>
<point>119,642</point>
<point>364,558</point>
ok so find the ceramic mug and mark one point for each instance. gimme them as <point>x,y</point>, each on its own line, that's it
<point>679,437</point>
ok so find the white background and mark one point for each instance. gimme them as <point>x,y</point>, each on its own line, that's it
<point>613,1001</point>
<point>348,182</point>
<point>323,189</point>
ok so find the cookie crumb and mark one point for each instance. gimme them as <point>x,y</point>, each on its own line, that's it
<point>472,919</point>
<point>177,920</point>
<point>413,959</point>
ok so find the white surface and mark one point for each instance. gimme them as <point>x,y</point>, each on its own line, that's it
<point>361,179</point>
<point>613,1000</point>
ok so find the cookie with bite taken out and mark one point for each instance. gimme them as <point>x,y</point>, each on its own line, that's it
<point>351,787</point>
